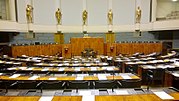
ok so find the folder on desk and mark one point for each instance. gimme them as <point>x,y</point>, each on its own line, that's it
<point>88,98</point>
<point>33,77</point>
<point>126,77</point>
<point>79,78</point>
<point>163,95</point>
<point>15,76</point>
<point>61,69</point>
<point>46,98</point>
<point>52,78</point>
<point>45,69</point>
<point>29,68</point>
<point>102,77</point>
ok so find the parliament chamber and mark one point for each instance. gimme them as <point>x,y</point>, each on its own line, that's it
<point>89,50</point>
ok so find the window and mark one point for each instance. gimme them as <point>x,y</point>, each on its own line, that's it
<point>167,9</point>
<point>4,9</point>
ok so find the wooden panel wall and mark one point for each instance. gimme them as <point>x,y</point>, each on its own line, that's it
<point>79,44</point>
<point>66,51</point>
<point>36,50</point>
<point>131,48</point>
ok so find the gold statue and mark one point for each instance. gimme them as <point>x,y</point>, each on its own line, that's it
<point>85,16</point>
<point>110,17</point>
<point>138,14</point>
<point>58,15</point>
<point>29,10</point>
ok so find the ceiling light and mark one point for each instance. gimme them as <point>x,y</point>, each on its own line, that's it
<point>174,0</point>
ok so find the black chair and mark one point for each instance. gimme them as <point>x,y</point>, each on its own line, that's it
<point>106,84</point>
<point>131,83</point>
<point>78,85</point>
<point>150,77</point>
<point>26,85</point>
<point>4,85</point>
<point>53,85</point>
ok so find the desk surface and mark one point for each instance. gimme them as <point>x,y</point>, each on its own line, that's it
<point>69,64</point>
<point>121,76</point>
<point>138,97</point>
<point>65,69</point>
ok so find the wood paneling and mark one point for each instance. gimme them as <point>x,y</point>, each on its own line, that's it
<point>66,51</point>
<point>36,50</point>
<point>131,48</point>
<point>79,44</point>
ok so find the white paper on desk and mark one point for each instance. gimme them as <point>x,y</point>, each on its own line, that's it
<point>51,64</point>
<point>39,64</point>
<point>126,77</point>
<point>33,77</point>
<point>45,69</point>
<point>110,68</point>
<point>79,78</point>
<point>15,76</point>
<point>176,74</point>
<point>121,92</point>
<point>66,64</point>
<point>29,68</point>
<point>9,62</point>
<point>93,68</point>
<point>88,98</point>
<point>46,98</point>
<point>13,68</point>
<point>105,64</point>
<point>52,79</point>
<point>85,93</point>
<point>17,63</point>
<point>163,95</point>
<point>75,64</point>
<point>61,69</point>
<point>88,64</point>
<point>59,64</point>
<point>77,69</point>
<point>102,77</point>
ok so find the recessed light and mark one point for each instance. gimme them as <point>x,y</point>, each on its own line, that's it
<point>174,0</point>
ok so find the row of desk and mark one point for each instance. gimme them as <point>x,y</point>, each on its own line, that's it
<point>64,69</point>
<point>64,77</point>
<point>135,97</point>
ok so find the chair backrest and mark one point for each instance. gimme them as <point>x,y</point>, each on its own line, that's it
<point>105,84</point>
<point>78,85</point>
<point>131,83</point>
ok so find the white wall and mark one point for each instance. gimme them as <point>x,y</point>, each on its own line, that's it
<point>21,6</point>
<point>44,12</point>
<point>145,7</point>
<point>165,7</point>
<point>97,12</point>
<point>72,12</point>
<point>124,12</point>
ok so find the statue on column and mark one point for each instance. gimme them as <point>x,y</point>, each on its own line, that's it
<point>85,16</point>
<point>138,14</point>
<point>29,11</point>
<point>110,17</point>
<point>58,15</point>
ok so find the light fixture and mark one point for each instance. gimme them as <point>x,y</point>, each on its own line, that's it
<point>174,0</point>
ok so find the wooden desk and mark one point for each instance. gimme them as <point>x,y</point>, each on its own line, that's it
<point>71,78</point>
<point>69,65</point>
<point>171,79</point>
<point>36,98</point>
<point>66,69</point>
<point>139,97</point>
